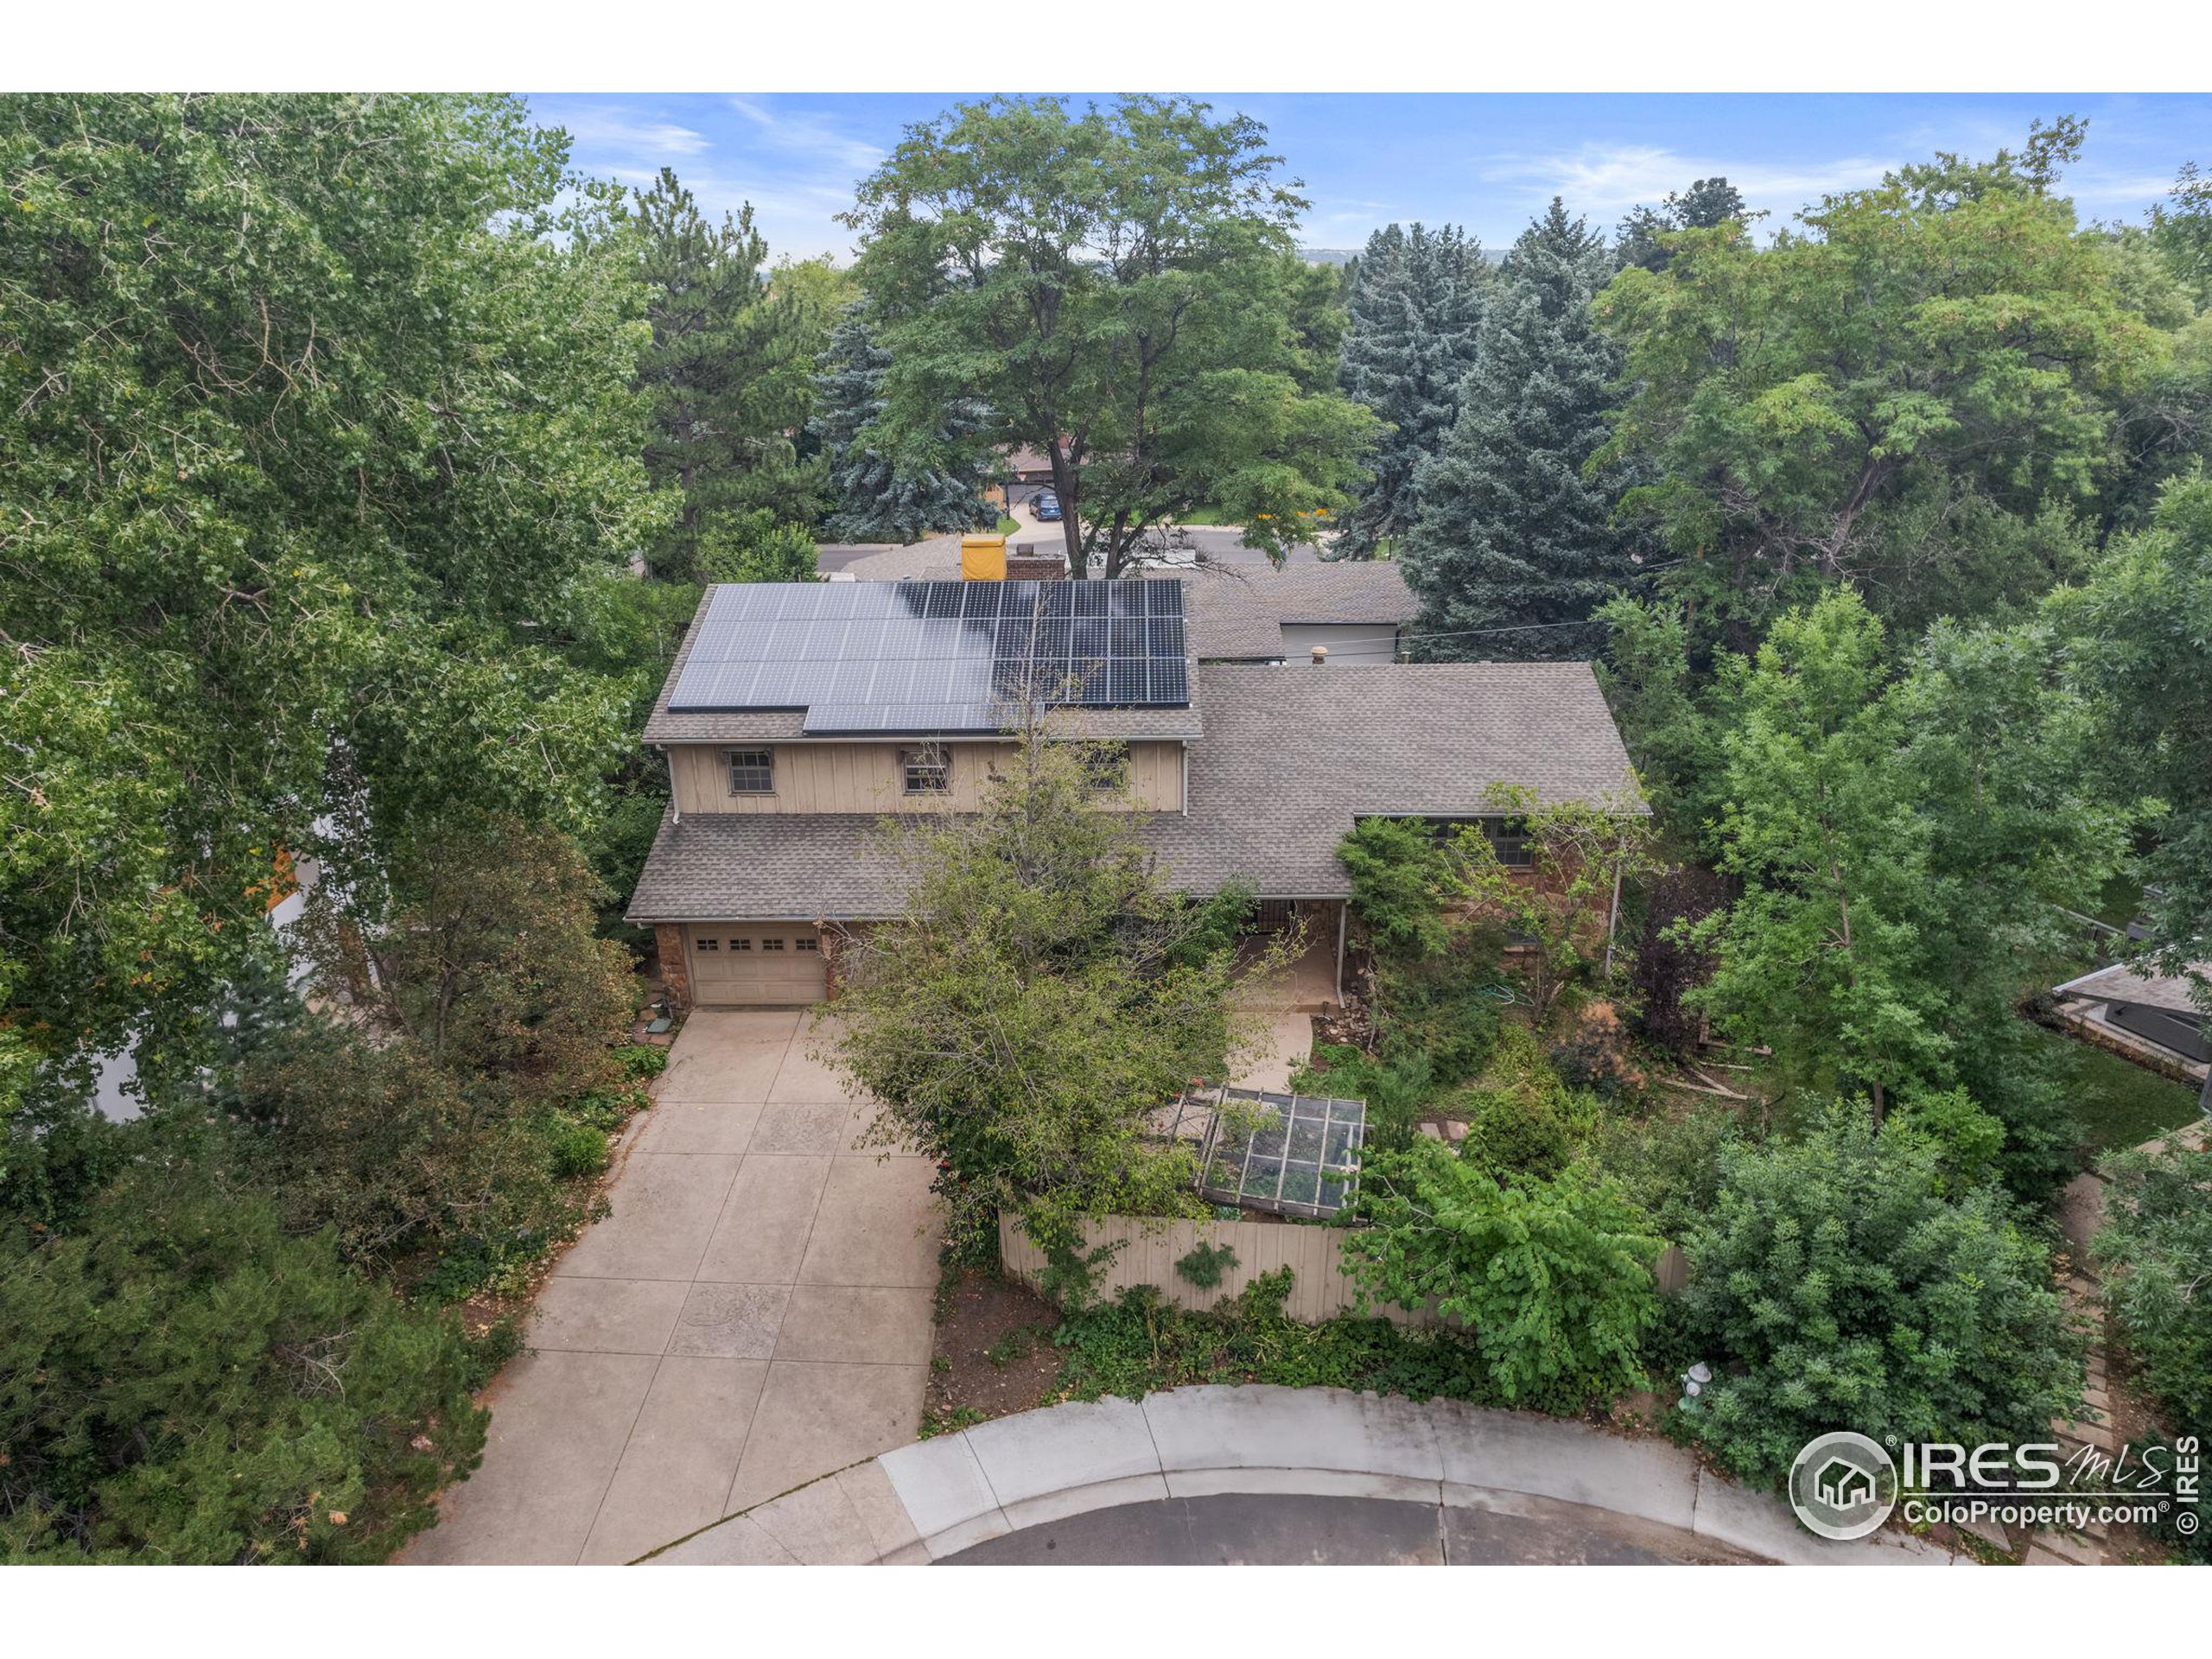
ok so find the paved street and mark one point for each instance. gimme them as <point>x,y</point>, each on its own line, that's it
<point>755,1313</point>
<point>1297,1529</point>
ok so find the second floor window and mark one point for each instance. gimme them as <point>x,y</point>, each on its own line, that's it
<point>1106,768</point>
<point>752,771</point>
<point>928,771</point>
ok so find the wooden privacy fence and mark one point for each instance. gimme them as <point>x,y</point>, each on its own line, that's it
<point>1320,1290</point>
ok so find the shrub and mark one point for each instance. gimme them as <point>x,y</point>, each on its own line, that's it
<point>1852,1293</point>
<point>641,1060</point>
<point>1442,1009</point>
<point>1395,1091</point>
<point>210,1388</point>
<point>2156,1247</point>
<point>1553,1278</point>
<point>1523,1120</point>
<point>392,1154</point>
<point>1401,877</point>
<point>579,1150</point>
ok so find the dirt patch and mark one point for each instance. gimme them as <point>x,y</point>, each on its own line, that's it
<point>993,1353</point>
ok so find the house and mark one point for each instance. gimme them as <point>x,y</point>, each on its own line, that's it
<point>1360,611</point>
<point>2146,1017</point>
<point>797,715</point>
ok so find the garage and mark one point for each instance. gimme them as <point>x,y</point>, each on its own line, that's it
<point>750,965</point>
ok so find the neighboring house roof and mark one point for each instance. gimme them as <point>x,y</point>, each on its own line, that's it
<point>2123,984</point>
<point>1237,612</point>
<point>788,725</point>
<point>1291,757</point>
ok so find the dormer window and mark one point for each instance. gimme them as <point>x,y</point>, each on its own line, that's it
<point>927,770</point>
<point>752,771</point>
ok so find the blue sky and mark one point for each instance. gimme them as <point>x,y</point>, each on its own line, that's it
<point>1488,161</point>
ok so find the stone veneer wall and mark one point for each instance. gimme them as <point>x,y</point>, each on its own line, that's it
<point>675,966</point>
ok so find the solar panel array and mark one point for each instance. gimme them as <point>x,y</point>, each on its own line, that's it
<point>935,656</point>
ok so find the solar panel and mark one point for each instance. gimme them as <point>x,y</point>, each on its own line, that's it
<point>920,656</point>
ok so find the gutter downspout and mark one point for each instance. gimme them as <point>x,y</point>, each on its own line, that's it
<point>675,807</point>
<point>1185,746</point>
<point>1344,918</point>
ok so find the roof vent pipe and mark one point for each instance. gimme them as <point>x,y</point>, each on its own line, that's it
<point>1320,656</point>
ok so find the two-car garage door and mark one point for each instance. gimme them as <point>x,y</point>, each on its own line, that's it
<point>748,964</point>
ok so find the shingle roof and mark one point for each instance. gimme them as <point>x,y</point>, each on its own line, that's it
<point>1238,612</point>
<point>2122,983</point>
<point>789,725</point>
<point>1291,757</point>
<point>770,867</point>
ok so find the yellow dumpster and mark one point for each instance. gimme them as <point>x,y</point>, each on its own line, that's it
<point>983,558</point>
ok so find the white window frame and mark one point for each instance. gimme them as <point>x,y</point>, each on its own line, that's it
<point>922,759</point>
<point>764,767</point>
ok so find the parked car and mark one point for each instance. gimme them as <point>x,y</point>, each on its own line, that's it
<point>1046,506</point>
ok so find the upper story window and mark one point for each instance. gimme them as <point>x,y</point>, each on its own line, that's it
<point>752,771</point>
<point>927,771</point>
<point>1106,768</point>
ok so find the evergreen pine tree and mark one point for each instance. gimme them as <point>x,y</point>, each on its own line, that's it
<point>878,500</point>
<point>1511,532</point>
<point>1416,305</point>
<point>730,371</point>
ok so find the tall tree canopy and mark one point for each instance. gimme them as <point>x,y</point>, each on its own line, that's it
<point>1415,304</point>
<point>1119,288</point>
<point>320,455</point>
<point>1514,532</point>
<point>877,500</point>
<point>1640,240</point>
<point>1903,840</point>
<point>729,372</point>
<point>1913,391</point>
<point>2143,624</point>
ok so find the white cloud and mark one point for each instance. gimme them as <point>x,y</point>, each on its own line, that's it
<point>1604,180</point>
<point>612,127</point>
<point>810,133</point>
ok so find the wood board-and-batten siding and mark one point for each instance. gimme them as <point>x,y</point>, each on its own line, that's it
<point>1319,1289</point>
<point>867,778</point>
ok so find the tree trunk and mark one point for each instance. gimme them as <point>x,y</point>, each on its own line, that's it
<point>1063,485</point>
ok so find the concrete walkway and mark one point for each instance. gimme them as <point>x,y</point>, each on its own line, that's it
<point>755,1313</point>
<point>943,1496</point>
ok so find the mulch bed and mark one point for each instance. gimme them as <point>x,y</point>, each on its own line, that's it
<point>993,1353</point>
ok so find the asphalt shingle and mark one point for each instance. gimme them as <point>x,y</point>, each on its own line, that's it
<point>1291,757</point>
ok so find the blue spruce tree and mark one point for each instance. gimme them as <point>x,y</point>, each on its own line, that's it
<point>877,500</point>
<point>1416,304</point>
<point>1510,531</point>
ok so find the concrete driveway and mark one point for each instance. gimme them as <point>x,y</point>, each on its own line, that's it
<point>753,1314</point>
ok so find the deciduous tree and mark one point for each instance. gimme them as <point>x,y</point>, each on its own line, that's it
<point>1119,288</point>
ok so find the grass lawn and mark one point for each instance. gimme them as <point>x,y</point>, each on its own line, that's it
<point>1008,526</point>
<point>1206,516</point>
<point>2119,1103</point>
